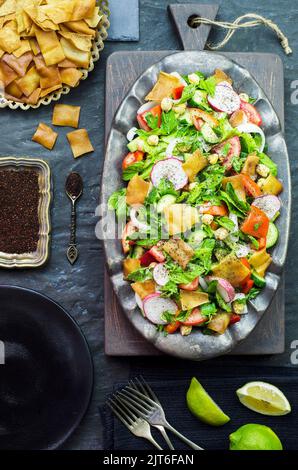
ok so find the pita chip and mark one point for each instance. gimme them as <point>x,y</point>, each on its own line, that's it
<point>45,136</point>
<point>79,142</point>
<point>66,115</point>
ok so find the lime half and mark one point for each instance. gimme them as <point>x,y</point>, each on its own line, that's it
<point>254,437</point>
<point>203,407</point>
<point>264,398</point>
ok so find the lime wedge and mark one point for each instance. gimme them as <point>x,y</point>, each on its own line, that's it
<point>264,398</point>
<point>254,437</point>
<point>203,407</point>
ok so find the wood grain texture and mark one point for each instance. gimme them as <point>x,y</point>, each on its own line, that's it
<point>192,38</point>
<point>123,68</point>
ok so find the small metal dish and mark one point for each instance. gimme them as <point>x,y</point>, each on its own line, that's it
<point>40,256</point>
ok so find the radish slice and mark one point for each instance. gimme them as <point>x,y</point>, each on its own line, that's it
<point>170,169</point>
<point>195,318</point>
<point>269,204</point>
<point>147,106</point>
<point>242,251</point>
<point>154,306</point>
<point>224,288</point>
<point>251,112</point>
<point>224,83</point>
<point>134,211</point>
<point>170,148</point>
<point>139,301</point>
<point>131,134</point>
<point>203,283</point>
<point>177,75</point>
<point>225,99</point>
<point>234,219</point>
<point>253,129</point>
<point>234,150</point>
<point>160,274</point>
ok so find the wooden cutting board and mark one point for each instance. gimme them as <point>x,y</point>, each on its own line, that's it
<point>123,68</point>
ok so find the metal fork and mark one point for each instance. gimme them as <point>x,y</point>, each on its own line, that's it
<point>151,411</point>
<point>145,388</point>
<point>136,425</point>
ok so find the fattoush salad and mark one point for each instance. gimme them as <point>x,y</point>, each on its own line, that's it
<point>199,206</point>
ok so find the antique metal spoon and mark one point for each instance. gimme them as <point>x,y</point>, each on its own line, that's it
<point>73,189</point>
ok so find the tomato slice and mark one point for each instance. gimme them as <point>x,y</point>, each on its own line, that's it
<point>191,285</point>
<point>262,243</point>
<point>213,210</point>
<point>251,113</point>
<point>129,229</point>
<point>177,93</point>
<point>245,262</point>
<point>198,123</point>
<point>147,259</point>
<point>172,327</point>
<point>234,319</point>
<point>251,188</point>
<point>256,223</point>
<point>247,286</point>
<point>195,318</point>
<point>156,111</point>
<point>131,158</point>
<point>157,254</point>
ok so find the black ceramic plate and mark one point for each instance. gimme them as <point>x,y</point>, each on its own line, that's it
<point>46,381</point>
<point>195,346</point>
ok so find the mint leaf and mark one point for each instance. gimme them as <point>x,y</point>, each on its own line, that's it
<point>151,120</point>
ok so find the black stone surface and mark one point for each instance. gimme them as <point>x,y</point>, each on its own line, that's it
<point>80,288</point>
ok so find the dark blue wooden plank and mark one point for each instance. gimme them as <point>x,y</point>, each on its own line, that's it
<point>125,20</point>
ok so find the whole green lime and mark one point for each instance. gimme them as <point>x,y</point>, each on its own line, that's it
<point>254,437</point>
<point>203,407</point>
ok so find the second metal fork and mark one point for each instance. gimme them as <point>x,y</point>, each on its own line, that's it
<point>136,425</point>
<point>141,385</point>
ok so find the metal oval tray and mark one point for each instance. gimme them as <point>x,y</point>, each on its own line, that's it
<point>195,346</point>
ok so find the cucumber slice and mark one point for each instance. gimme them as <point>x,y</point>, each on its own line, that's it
<point>272,235</point>
<point>196,238</point>
<point>209,135</point>
<point>137,252</point>
<point>165,201</point>
<point>134,144</point>
<point>198,99</point>
<point>186,119</point>
<point>258,280</point>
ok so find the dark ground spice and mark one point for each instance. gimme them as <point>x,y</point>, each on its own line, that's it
<point>74,184</point>
<point>19,200</point>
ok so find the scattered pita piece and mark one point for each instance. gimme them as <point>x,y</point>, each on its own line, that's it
<point>71,76</point>
<point>164,87</point>
<point>79,142</point>
<point>45,136</point>
<point>66,115</point>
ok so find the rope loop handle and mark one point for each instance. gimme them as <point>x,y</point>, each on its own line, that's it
<point>255,20</point>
